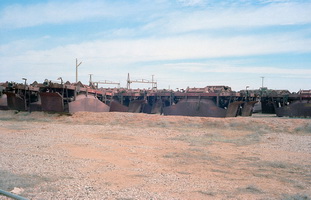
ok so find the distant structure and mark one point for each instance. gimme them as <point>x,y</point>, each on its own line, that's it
<point>262,78</point>
<point>153,83</point>
<point>77,65</point>
<point>95,84</point>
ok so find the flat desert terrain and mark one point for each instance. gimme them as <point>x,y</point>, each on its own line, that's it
<point>128,156</point>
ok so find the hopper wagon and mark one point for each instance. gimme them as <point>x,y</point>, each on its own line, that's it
<point>211,101</point>
<point>52,97</point>
<point>288,104</point>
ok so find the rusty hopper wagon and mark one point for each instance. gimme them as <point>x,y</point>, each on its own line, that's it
<point>52,97</point>
<point>289,104</point>
<point>211,101</point>
<point>283,103</point>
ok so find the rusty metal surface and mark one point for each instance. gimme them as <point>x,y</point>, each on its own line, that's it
<point>4,102</point>
<point>55,97</point>
<point>157,107</point>
<point>88,104</point>
<point>257,107</point>
<point>247,109</point>
<point>233,108</point>
<point>136,106</point>
<point>115,106</point>
<point>35,106</point>
<point>194,107</point>
<point>146,108</point>
<point>295,109</point>
<point>267,106</point>
<point>15,102</point>
<point>51,102</point>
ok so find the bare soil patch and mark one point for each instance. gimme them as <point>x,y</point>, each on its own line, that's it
<point>140,156</point>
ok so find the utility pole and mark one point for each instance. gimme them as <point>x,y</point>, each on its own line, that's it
<point>152,83</point>
<point>77,65</point>
<point>262,78</point>
<point>91,82</point>
<point>128,85</point>
<point>25,100</point>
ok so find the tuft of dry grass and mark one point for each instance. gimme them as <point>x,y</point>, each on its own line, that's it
<point>306,128</point>
<point>296,197</point>
<point>189,157</point>
<point>209,139</point>
<point>251,189</point>
<point>283,172</point>
<point>9,180</point>
<point>207,193</point>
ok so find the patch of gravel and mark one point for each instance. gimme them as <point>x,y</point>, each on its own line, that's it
<point>287,142</point>
<point>45,156</point>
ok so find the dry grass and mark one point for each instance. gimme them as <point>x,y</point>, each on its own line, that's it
<point>207,193</point>
<point>9,180</point>
<point>306,128</point>
<point>208,139</point>
<point>251,189</point>
<point>296,197</point>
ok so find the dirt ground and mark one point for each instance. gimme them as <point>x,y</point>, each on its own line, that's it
<point>138,156</point>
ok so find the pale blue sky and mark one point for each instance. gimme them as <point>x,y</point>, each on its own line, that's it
<point>183,43</point>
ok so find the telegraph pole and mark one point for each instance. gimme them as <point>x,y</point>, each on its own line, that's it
<point>25,99</point>
<point>77,65</point>
<point>152,82</point>
<point>128,81</point>
<point>91,82</point>
<point>262,78</point>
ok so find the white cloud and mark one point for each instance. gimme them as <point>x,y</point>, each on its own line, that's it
<point>191,2</point>
<point>238,17</point>
<point>155,34</point>
<point>61,12</point>
<point>173,20</point>
<point>17,16</point>
<point>169,48</point>
<point>223,67</point>
<point>118,54</point>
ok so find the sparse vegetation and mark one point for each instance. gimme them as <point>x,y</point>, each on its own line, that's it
<point>27,116</point>
<point>203,140</point>
<point>9,180</point>
<point>208,139</point>
<point>207,193</point>
<point>189,157</point>
<point>275,164</point>
<point>296,197</point>
<point>251,189</point>
<point>306,128</point>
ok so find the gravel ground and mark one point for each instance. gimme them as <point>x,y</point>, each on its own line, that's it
<point>139,156</point>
